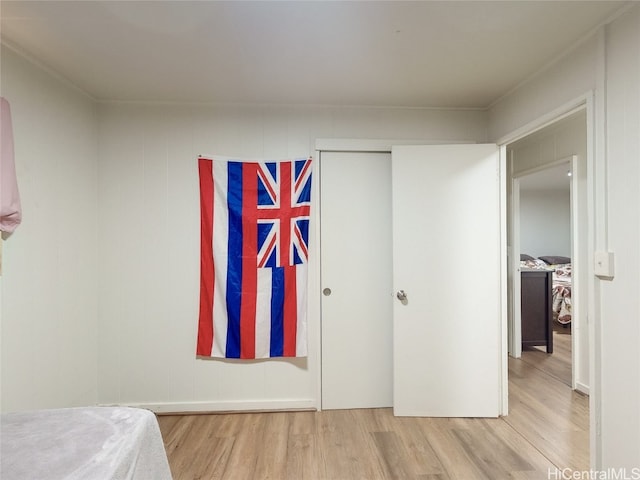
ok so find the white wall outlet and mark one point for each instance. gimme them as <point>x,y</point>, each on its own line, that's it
<point>603,265</point>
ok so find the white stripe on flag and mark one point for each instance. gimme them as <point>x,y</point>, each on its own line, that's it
<point>263,314</point>
<point>220,250</point>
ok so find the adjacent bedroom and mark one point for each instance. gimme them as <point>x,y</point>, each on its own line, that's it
<point>545,226</point>
<point>549,173</point>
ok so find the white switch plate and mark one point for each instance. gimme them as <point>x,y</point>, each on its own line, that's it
<point>603,264</point>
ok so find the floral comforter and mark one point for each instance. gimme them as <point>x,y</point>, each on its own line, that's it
<point>561,288</point>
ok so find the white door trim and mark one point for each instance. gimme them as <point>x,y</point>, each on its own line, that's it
<point>596,188</point>
<point>516,317</point>
<point>577,288</point>
<point>504,277</point>
<point>371,144</point>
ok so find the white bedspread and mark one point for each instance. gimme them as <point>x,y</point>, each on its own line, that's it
<point>84,444</point>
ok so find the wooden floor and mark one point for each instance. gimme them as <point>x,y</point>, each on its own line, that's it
<point>547,428</point>
<point>557,365</point>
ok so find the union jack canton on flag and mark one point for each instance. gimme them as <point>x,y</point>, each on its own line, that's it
<point>254,251</point>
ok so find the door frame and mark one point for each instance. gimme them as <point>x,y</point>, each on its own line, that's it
<point>315,297</point>
<point>596,216</point>
<point>515,318</point>
<point>576,295</point>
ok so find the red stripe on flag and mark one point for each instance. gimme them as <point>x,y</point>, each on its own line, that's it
<point>249,257</point>
<point>290,294</point>
<point>286,213</point>
<point>205,321</point>
<point>290,319</point>
<point>301,242</point>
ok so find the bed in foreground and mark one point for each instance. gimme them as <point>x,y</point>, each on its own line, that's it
<point>83,443</point>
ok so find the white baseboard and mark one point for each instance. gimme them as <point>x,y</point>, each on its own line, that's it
<point>582,388</point>
<point>227,406</point>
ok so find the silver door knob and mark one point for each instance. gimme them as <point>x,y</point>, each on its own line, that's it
<point>401,296</point>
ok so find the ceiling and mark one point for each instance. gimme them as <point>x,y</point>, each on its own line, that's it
<point>420,54</point>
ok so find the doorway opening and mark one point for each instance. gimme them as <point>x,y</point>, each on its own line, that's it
<point>547,230</point>
<point>544,207</point>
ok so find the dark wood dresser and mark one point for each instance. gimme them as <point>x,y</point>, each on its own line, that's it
<point>536,308</point>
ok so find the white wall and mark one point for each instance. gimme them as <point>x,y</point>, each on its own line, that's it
<point>545,222</point>
<point>149,242</point>
<point>608,64</point>
<point>621,297</point>
<point>48,288</point>
<point>100,282</point>
<point>568,78</point>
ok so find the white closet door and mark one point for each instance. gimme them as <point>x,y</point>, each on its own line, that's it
<point>356,267</point>
<point>446,259</point>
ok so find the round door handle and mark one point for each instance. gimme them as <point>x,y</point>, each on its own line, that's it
<point>326,292</point>
<point>402,296</point>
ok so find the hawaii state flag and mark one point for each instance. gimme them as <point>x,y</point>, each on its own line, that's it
<point>254,251</point>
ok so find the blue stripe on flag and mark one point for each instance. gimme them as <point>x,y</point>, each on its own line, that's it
<point>299,165</point>
<point>234,261</point>
<point>263,194</point>
<point>305,192</point>
<point>304,195</point>
<point>303,225</point>
<point>273,168</point>
<point>263,230</point>
<point>277,312</point>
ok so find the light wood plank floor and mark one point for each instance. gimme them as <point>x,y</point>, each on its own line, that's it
<point>547,427</point>
<point>557,365</point>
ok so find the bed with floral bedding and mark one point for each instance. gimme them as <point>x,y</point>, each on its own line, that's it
<point>561,285</point>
